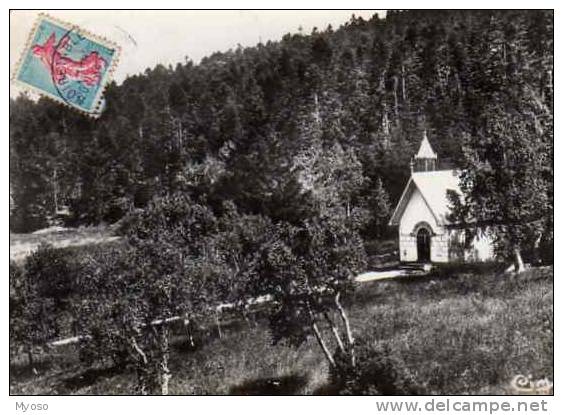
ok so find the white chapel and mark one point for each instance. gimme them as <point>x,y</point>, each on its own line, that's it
<point>426,234</point>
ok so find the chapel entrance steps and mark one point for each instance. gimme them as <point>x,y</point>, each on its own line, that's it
<point>410,269</point>
<point>415,268</point>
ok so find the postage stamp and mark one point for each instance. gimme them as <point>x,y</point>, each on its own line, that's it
<point>68,64</point>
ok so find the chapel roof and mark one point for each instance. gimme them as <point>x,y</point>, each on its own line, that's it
<point>433,186</point>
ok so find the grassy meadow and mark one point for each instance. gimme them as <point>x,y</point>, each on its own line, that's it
<point>22,244</point>
<point>456,331</point>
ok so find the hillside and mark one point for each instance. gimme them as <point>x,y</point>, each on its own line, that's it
<point>236,125</point>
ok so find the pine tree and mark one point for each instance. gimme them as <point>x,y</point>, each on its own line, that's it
<point>507,181</point>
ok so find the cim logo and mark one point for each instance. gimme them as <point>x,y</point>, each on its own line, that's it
<point>526,385</point>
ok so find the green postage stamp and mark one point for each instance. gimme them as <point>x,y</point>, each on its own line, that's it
<point>68,64</point>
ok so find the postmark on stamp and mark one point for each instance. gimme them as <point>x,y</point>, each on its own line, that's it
<point>68,64</point>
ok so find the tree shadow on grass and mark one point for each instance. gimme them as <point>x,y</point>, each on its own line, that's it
<point>88,377</point>
<point>327,389</point>
<point>23,372</point>
<point>282,385</point>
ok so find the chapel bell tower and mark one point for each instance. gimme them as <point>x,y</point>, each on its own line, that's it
<point>426,159</point>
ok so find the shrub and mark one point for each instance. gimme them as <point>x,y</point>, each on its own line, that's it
<point>306,270</point>
<point>32,317</point>
<point>45,295</point>
<point>377,372</point>
<point>96,308</point>
<point>162,273</point>
<point>546,249</point>
<point>17,308</point>
<point>52,272</point>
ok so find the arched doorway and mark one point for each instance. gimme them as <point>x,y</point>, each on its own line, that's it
<point>423,245</point>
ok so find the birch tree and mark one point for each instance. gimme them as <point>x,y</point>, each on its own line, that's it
<point>307,271</point>
<point>133,294</point>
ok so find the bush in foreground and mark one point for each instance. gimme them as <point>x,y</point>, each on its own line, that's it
<point>377,372</point>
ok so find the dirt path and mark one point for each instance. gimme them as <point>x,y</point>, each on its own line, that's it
<point>22,245</point>
<point>380,275</point>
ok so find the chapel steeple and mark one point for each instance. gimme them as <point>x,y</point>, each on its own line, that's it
<point>426,159</point>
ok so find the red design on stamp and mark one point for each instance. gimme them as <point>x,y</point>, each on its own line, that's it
<point>87,70</point>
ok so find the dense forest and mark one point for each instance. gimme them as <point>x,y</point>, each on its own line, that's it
<point>257,125</point>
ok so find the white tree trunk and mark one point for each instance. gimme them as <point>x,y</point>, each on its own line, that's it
<point>141,367</point>
<point>189,334</point>
<point>164,359</point>
<point>319,338</point>
<point>403,84</point>
<point>30,358</point>
<point>218,324</point>
<point>395,98</point>
<point>55,191</point>
<point>335,332</point>
<point>346,322</point>
<point>321,342</point>
<point>518,263</point>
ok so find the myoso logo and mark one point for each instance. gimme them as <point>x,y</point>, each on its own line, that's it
<point>24,407</point>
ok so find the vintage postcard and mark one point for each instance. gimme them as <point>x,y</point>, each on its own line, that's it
<point>284,202</point>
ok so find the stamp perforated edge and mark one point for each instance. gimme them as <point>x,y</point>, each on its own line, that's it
<point>108,75</point>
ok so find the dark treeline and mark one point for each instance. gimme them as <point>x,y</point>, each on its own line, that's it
<point>255,125</point>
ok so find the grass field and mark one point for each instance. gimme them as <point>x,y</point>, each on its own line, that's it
<point>457,333</point>
<point>21,245</point>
